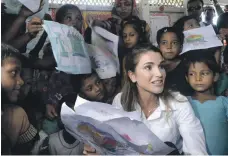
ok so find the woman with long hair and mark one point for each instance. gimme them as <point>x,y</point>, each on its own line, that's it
<point>170,118</point>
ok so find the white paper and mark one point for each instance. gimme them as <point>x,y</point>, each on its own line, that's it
<point>12,6</point>
<point>110,130</point>
<point>107,42</point>
<point>200,38</point>
<point>42,12</point>
<point>32,5</point>
<point>102,61</point>
<point>68,48</point>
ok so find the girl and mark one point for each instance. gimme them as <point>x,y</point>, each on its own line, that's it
<point>166,116</point>
<point>186,23</point>
<point>170,42</point>
<point>201,74</point>
<point>16,128</point>
<point>133,32</point>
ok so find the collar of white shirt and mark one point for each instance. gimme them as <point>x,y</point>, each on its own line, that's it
<point>158,112</point>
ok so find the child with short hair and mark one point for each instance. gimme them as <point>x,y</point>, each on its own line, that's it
<point>186,23</point>
<point>16,128</point>
<point>170,42</point>
<point>59,83</point>
<point>89,88</point>
<point>212,111</point>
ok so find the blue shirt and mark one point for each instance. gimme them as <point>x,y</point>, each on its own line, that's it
<point>213,115</point>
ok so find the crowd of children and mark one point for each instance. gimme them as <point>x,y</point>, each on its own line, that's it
<point>183,98</point>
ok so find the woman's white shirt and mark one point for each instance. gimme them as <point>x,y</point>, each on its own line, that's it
<point>178,125</point>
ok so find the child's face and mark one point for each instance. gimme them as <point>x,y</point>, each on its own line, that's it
<point>130,36</point>
<point>191,24</point>
<point>110,85</point>
<point>73,18</point>
<point>200,77</point>
<point>170,45</point>
<point>93,88</point>
<point>11,79</point>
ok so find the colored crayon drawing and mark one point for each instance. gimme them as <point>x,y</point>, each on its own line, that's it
<point>194,38</point>
<point>101,138</point>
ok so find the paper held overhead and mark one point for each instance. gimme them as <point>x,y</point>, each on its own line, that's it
<point>32,5</point>
<point>107,43</point>
<point>200,38</point>
<point>68,48</point>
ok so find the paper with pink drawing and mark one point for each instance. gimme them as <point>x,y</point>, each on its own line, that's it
<point>108,43</point>
<point>102,61</point>
<point>111,131</point>
<point>200,38</point>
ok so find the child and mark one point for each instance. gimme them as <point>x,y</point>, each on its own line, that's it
<point>89,88</point>
<point>170,42</point>
<point>186,23</point>
<point>62,142</point>
<point>201,74</point>
<point>133,32</point>
<point>59,83</point>
<point>15,124</point>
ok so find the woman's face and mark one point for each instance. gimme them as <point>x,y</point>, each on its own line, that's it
<point>130,36</point>
<point>11,79</point>
<point>124,8</point>
<point>149,74</point>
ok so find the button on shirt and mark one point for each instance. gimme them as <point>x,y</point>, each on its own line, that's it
<point>174,123</point>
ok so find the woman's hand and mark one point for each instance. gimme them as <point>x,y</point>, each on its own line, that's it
<point>88,150</point>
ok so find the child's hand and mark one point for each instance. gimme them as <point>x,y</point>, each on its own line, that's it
<point>34,26</point>
<point>51,111</point>
<point>88,150</point>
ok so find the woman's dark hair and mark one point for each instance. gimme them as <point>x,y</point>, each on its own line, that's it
<point>129,91</point>
<point>179,24</point>
<point>178,33</point>
<point>222,21</point>
<point>61,12</point>
<point>138,25</point>
<point>209,60</point>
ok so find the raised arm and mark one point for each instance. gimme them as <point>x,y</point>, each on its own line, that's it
<point>217,7</point>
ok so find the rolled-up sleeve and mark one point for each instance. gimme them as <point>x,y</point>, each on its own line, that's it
<point>191,130</point>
